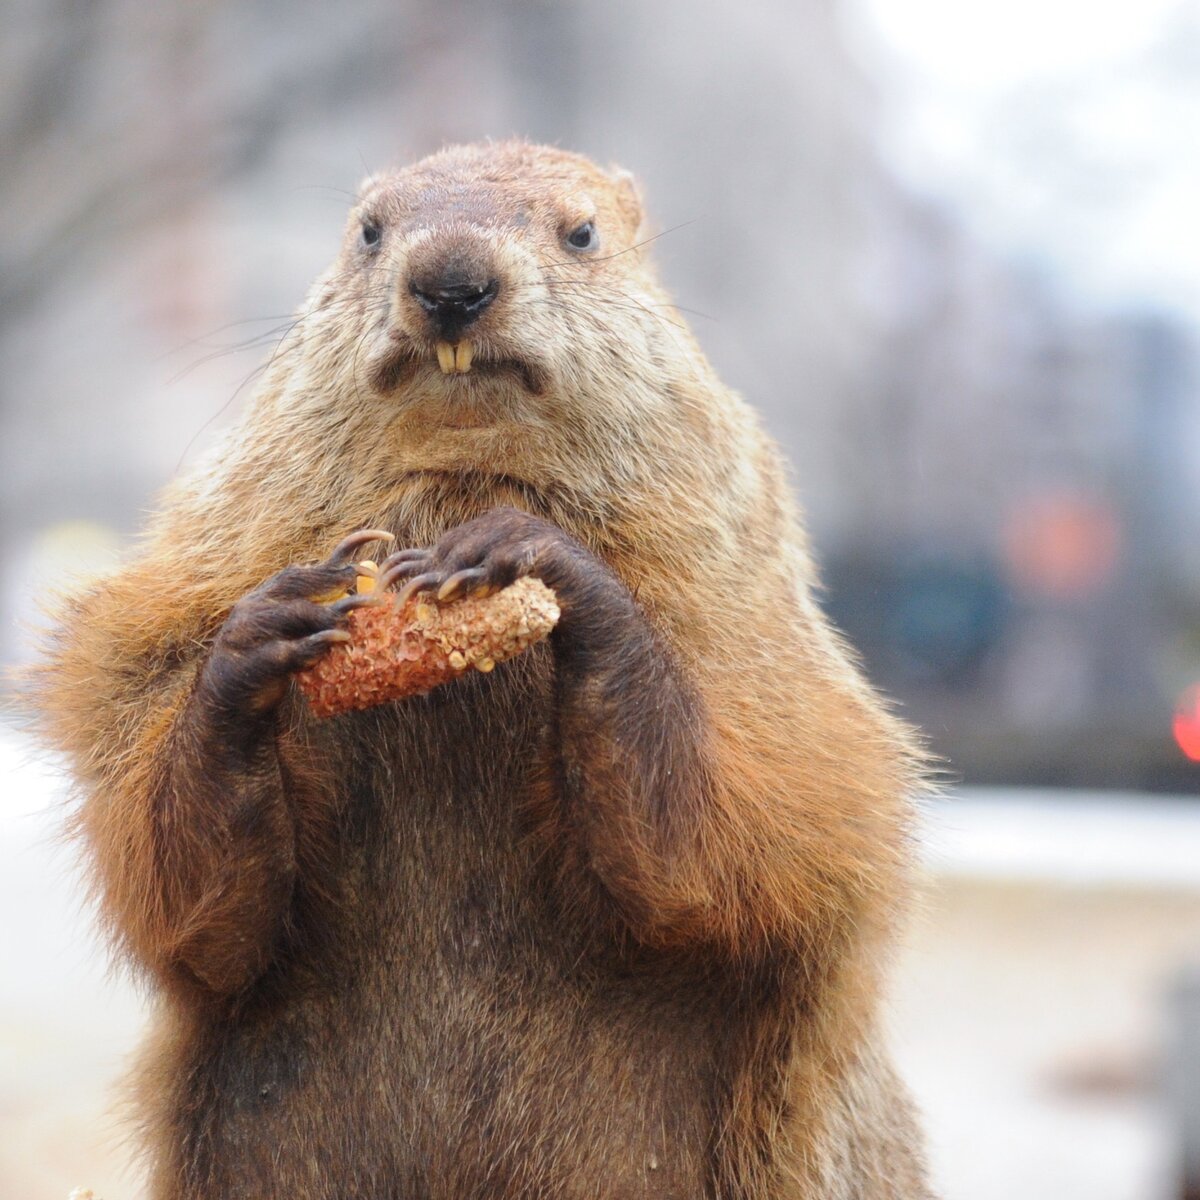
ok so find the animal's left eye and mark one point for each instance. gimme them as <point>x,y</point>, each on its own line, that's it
<point>583,238</point>
<point>371,234</point>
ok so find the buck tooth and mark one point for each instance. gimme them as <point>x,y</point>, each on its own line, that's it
<point>445,353</point>
<point>463,353</point>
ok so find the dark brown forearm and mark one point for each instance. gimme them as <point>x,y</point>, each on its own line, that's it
<point>225,845</point>
<point>635,775</point>
<point>223,833</point>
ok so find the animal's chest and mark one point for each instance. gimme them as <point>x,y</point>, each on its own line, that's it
<point>444,794</point>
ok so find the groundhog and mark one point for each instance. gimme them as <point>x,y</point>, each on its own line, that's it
<point>605,921</point>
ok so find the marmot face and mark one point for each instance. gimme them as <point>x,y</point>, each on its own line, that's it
<point>484,278</point>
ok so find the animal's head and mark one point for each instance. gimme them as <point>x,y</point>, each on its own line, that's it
<point>492,310</point>
<point>489,269</point>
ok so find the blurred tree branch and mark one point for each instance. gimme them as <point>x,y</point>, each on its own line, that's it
<point>87,166</point>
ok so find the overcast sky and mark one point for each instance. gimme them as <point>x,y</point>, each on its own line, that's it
<point>1064,130</point>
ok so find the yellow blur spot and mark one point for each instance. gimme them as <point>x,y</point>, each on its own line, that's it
<point>72,553</point>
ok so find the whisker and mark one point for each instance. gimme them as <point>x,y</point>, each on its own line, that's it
<point>222,329</point>
<point>324,187</point>
<point>254,373</point>
<point>617,254</point>
<point>225,351</point>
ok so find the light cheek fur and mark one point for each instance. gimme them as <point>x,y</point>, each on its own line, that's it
<point>611,920</point>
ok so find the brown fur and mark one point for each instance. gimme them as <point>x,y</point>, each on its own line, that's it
<point>608,921</point>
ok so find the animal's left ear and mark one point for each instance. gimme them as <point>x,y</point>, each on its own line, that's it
<point>366,187</point>
<point>629,197</point>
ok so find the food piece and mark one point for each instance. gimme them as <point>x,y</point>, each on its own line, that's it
<point>368,572</point>
<point>396,651</point>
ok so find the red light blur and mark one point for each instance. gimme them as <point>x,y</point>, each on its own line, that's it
<point>1186,725</point>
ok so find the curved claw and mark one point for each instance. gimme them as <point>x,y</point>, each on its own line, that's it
<point>356,600</point>
<point>300,655</point>
<point>419,584</point>
<point>392,574</point>
<point>343,552</point>
<point>327,637</point>
<point>410,554</point>
<point>460,579</point>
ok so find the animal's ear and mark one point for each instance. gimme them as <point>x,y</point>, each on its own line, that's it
<point>367,186</point>
<point>629,197</point>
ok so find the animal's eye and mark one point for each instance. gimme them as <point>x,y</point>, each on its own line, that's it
<point>371,234</point>
<point>583,238</point>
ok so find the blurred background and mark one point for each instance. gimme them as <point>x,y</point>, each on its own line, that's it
<point>949,251</point>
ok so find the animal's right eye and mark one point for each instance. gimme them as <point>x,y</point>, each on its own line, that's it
<point>584,237</point>
<point>372,234</point>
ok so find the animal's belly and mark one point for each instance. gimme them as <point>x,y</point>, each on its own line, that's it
<point>553,1090</point>
<point>440,1090</point>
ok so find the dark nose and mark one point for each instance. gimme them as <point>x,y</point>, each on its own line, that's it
<point>453,304</point>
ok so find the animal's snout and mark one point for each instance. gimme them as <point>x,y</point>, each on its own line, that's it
<point>453,300</point>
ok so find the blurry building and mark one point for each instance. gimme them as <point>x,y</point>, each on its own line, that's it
<point>1021,563</point>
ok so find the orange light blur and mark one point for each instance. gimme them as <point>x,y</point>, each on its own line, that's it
<point>1061,544</point>
<point>1186,725</point>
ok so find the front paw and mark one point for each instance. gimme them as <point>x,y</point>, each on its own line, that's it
<point>488,554</point>
<point>280,628</point>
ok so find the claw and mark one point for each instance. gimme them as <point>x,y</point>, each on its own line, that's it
<point>301,654</point>
<point>343,552</point>
<point>411,554</point>
<point>458,580</point>
<point>397,572</point>
<point>356,600</point>
<point>419,584</point>
<point>306,651</point>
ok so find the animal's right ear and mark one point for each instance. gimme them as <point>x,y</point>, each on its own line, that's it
<point>629,197</point>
